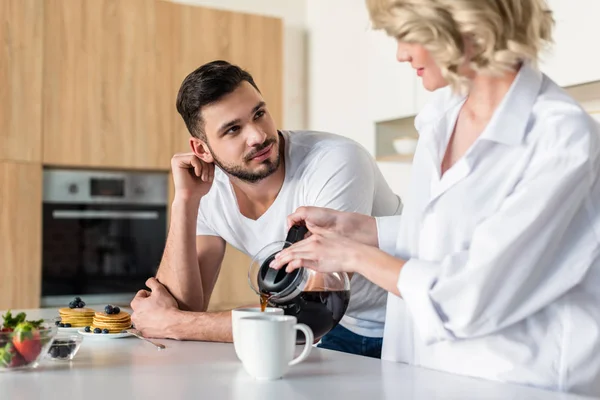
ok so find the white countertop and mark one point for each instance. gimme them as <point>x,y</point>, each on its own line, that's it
<point>130,368</point>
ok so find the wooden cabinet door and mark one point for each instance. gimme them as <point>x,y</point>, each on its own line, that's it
<point>21,23</point>
<point>103,105</point>
<point>253,42</point>
<point>21,233</point>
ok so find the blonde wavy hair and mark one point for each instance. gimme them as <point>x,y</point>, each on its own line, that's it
<point>503,33</point>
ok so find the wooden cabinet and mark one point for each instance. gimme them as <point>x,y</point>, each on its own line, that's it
<point>93,84</point>
<point>20,230</point>
<point>574,57</point>
<point>21,23</point>
<point>201,35</point>
<point>103,104</point>
<point>21,51</point>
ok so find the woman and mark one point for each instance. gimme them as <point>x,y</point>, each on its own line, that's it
<point>493,269</point>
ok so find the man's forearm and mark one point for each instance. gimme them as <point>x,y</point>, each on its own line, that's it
<point>179,270</point>
<point>203,326</point>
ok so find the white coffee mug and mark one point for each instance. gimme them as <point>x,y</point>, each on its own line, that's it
<point>244,312</point>
<point>267,344</point>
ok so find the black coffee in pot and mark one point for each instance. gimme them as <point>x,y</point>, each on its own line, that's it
<point>321,311</point>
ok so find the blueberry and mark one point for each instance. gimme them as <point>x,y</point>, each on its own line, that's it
<point>116,310</point>
<point>54,351</point>
<point>97,330</point>
<point>72,304</point>
<point>77,299</point>
<point>57,323</point>
<point>67,325</point>
<point>105,330</point>
<point>61,325</point>
<point>81,304</point>
<point>108,309</point>
<point>87,329</point>
<point>64,351</point>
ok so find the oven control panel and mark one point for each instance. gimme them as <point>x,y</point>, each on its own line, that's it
<point>89,187</point>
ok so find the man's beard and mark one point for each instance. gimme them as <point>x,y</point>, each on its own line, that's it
<point>248,176</point>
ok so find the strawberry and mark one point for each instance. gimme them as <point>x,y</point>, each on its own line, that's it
<point>26,339</point>
<point>10,358</point>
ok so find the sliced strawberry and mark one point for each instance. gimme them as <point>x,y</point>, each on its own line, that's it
<point>26,339</point>
<point>10,357</point>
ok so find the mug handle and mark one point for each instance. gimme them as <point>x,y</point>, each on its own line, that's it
<point>308,334</point>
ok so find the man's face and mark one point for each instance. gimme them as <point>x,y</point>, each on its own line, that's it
<point>241,135</point>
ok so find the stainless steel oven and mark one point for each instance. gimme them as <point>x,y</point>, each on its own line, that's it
<point>103,233</point>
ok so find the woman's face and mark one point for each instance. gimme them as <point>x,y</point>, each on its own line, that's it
<point>422,61</point>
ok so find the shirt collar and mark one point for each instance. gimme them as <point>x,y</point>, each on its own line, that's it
<point>509,122</point>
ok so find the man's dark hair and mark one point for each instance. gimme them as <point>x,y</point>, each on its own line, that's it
<point>207,84</point>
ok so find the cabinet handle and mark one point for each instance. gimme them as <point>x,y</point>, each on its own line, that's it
<point>98,214</point>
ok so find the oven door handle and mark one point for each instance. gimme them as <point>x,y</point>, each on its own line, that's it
<point>100,214</point>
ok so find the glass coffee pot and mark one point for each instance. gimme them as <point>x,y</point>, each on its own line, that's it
<point>316,299</point>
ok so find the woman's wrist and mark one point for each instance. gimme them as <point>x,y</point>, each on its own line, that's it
<point>359,257</point>
<point>360,228</point>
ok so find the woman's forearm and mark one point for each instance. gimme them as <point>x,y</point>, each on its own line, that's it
<point>379,267</point>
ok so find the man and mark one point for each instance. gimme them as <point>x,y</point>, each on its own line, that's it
<point>238,185</point>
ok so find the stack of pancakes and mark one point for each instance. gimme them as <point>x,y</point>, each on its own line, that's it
<point>115,323</point>
<point>77,317</point>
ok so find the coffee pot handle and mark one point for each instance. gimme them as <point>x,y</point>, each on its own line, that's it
<point>295,234</point>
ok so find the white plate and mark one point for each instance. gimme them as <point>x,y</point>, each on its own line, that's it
<point>104,335</point>
<point>69,330</point>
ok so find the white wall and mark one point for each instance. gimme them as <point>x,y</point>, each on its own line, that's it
<point>293,14</point>
<point>338,71</point>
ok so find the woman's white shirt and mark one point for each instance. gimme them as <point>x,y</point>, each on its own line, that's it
<point>503,274</point>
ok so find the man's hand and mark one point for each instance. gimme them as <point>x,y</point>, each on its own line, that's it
<point>192,177</point>
<point>153,311</point>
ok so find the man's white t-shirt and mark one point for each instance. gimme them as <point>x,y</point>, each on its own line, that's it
<point>324,170</point>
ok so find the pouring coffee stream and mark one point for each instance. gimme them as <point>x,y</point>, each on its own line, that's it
<point>264,300</point>
<point>316,299</point>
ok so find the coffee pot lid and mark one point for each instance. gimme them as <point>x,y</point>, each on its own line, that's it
<point>274,281</point>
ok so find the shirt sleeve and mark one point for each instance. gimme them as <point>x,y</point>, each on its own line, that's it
<point>519,259</point>
<point>203,226</point>
<point>387,233</point>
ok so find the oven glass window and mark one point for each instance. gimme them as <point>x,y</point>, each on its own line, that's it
<point>101,249</point>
